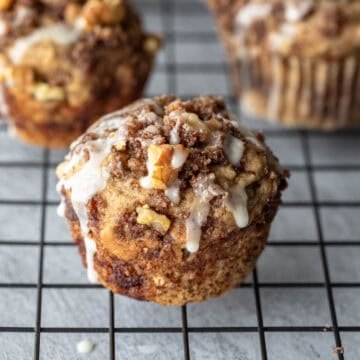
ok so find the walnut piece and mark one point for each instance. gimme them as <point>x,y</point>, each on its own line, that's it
<point>199,126</point>
<point>120,145</point>
<point>147,216</point>
<point>164,162</point>
<point>225,172</point>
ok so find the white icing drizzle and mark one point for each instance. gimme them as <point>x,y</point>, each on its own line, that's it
<point>252,12</point>
<point>85,347</point>
<point>60,210</point>
<point>205,190</point>
<point>237,205</point>
<point>95,177</point>
<point>249,135</point>
<point>90,246</point>
<point>295,11</point>
<point>21,14</point>
<point>60,34</point>
<point>198,215</point>
<point>172,191</point>
<point>174,133</point>
<point>235,201</point>
<point>234,149</point>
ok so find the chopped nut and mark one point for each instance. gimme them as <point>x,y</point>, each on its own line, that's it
<point>159,280</point>
<point>152,44</point>
<point>159,222</point>
<point>120,146</point>
<point>225,172</point>
<point>164,163</point>
<point>20,76</point>
<point>6,4</point>
<point>45,92</point>
<point>67,168</point>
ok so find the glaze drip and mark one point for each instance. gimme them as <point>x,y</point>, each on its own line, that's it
<point>90,157</point>
<point>237,205</point>
<point>163,165</point>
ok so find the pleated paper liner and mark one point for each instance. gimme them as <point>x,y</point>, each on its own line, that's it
<point>300,92</point>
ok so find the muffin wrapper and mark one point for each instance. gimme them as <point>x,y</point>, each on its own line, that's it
<point>296,91</point>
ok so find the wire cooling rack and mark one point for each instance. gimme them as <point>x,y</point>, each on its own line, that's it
<point>302,301</point>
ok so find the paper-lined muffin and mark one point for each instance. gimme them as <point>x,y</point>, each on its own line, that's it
<point>170,201</point>
<point>294,61</point>
<point>65,63</point>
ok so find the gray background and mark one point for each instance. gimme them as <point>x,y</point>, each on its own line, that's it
<point>317,232</point>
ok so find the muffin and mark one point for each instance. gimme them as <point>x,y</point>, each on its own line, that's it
<point>294,61</point>
<point>170,201</point>
<point>65,63</point>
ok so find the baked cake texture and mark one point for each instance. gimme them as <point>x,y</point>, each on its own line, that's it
<point>170,201</point>
<point>294,61</point>
<point>65,63</point>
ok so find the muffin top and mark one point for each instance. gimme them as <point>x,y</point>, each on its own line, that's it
<point>163,171</point>
<point>49,49</point>
<point>326,28</point>
<point>111,21</point>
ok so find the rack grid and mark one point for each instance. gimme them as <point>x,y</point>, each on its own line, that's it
<point>311,262</point>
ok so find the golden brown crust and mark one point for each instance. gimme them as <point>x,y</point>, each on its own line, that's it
<point>90,58</point>
<point>140,234</point>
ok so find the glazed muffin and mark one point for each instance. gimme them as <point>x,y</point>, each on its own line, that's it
<point>170,201</point>
<point>294,61</point>
<point>65,63</point>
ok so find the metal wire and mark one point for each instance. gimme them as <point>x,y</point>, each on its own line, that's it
<point>170,68</point>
